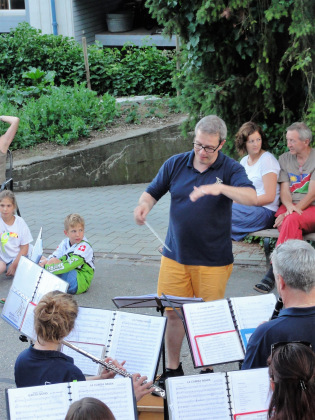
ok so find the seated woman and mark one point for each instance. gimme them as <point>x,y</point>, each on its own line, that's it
<point>43,363</point>
<point>5,141</point>
<point>262,169</point>
<point>292,379</point>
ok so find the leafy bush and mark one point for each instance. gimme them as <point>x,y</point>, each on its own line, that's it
<point>129,71</point>
<point>62,115</point>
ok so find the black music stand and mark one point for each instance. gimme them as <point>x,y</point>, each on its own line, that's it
<point>160,303</point>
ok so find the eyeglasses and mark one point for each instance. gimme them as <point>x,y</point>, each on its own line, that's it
<point>284,343</point>
<point>207,149</point>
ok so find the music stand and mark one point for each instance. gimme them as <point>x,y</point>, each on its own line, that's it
<point>160,303</point>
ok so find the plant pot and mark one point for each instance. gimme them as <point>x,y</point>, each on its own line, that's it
<point>120,21</point>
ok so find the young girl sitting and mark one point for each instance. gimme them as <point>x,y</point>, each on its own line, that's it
<point>15,234</point>
<point>43,363</point>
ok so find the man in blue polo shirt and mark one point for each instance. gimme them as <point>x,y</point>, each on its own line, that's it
<point>199,235</point>
<point>293,264</point>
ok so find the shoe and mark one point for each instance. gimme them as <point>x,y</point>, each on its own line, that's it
<point>267,283</point>
<point>169,373</point>
<point>208,370</point>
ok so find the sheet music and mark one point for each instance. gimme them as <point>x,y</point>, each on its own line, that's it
<point>14,308</point>
<point>53,401</point>
<point>86,365</point>
<point>251,311</point>
<point>26,270</point>
<point>209,318</point>
<point>201,397</point>
<point>45,402</point>
<point>48,283</point>
<point>250,393</point>
<point>27,327</point>
<point>219,348</point>
<point>116,393</point>
<point>91,326</point>
<point>137,339</point>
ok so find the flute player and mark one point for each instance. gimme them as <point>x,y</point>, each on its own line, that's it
<point>43,363</point>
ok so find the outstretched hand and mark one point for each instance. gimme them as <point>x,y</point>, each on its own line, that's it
<point>140,388</point>
<point>210,189</point>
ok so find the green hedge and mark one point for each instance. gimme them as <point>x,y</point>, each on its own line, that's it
<point>121,72</point>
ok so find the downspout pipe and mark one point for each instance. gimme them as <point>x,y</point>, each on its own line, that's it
<point>54,19</point>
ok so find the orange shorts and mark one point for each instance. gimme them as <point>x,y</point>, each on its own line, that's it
<point>177,279</point>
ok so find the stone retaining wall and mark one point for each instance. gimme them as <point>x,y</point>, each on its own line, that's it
<point>131,158</point>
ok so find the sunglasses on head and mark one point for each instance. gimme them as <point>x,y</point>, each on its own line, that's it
<point>284,343</point>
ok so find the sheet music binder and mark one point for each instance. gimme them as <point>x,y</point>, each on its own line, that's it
<point>222,395</point>
<point>121,335</point>
<point>218,331</point>
<point>53,401</point>
<point>29,284</point>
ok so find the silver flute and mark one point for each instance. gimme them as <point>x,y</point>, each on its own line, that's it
<point>156,391</point>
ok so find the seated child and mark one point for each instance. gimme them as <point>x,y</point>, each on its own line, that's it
<point>15,234</point>
<point>43,363</point>
<point>89,408</point>
<point>73,260</point>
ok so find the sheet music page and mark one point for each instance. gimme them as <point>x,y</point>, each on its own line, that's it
<point>116,393</point>
<point>203,319</point>
<point>27,327</point>
<point>137,339</point>
<point>26,277</point>
<point>251,311</point>
<point>219,348</point>
<point>39,402</point>
<point>250,393</point>
<point>201,397</point>
<point>91,326</point>
<point>87,365</point>
<point>48,283</point>
<point>14,308</point>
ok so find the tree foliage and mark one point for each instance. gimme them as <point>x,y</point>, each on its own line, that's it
<point>244,60</point>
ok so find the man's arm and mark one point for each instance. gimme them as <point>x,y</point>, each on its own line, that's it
<point>8,136</point>
<point>241,195</point>
<point>146,202</point>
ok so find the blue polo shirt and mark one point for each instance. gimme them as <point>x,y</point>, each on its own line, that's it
<point>42,367</point>
<point>293,324</point>
<point>199,233</point>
